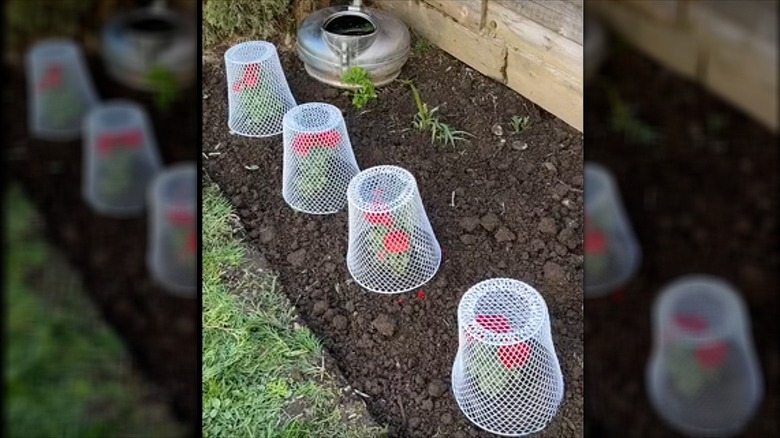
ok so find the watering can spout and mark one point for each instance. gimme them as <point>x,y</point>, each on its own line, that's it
<point>356,5</point>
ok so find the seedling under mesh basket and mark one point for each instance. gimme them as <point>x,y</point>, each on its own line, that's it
<point>318,159</point>
<point>392,247</point>
<point>258,94</point>
<point>506,377</point>
<point>703,376</point>
<point>59,90</point>
<point>120,158</point>
<point>173,241</point>
<point>612,253</point>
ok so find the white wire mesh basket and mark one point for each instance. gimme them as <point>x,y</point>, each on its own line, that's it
<point>172,253</point>
<point>612,253</point>
<point>120,158</point>
<point>506,377</point>
<point>258,94</point>
<point>392,247</point>
<point>59,90</point>
<point>703,376</point>
<point>318,159</point>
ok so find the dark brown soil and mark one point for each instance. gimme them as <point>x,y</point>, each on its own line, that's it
<point>160,329</point>
<point>701,200</point>
<point>405,373</point>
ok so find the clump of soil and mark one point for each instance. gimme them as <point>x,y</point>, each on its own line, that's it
<point>702,199</point>
<point>506,205</point>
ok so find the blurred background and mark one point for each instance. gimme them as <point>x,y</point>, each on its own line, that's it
<point>93,346</point>
<point>682,107</point>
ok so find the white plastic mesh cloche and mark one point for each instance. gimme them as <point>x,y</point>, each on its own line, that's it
<point>392,247</point>
<point>258,94</point>
<point>120,158</point>
<point>506,377</point>
<point>59,90</point>
<point>612,253</point>
<point>703,376</point>
<point>318,159</point>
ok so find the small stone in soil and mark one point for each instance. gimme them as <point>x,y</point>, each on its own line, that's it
<point>427,405</point>
<point>320,307</point>
<point>384,325</point>
<point>504,235</point>
<point>436,388</point>
<point>414,422</point>
<point>497,130</point>
<point>547,226</point>
<point>267,235</point>
<point>554,273</point>
<point>446,418</point>
<point>350,306</point>
<point>329,267</point>
<point>469,223</point>
<point>489,222</point>
<point>519,145</point>
<point>339,322</point>
<point>468,239</point>
<point>297,258</point>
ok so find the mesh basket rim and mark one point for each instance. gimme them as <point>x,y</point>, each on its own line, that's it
<point>402,199</point>
<point>269,50</point>
<point>335,117</point>
<point>467,311</point>
<point>714,287</point>
<point>61,47</point>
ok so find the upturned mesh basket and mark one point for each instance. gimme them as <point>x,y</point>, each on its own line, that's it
<point>318,159</point>
<point>506,377</point>
<point>703,377</point>
<point>172,251</point>
<point>120,158</point>
<point>258,94</point>
<point>612,253</point>
<point>59,90</point>
<point>392,247</point>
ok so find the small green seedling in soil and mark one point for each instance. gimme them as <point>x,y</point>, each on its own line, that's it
<point>428,119</point>
<point>624,121</point>
<point>166,90</point>
<point>519,123</point>
<point>422,46</point>
<point>358,76</point>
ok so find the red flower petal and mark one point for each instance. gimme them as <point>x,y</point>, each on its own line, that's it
<point>712,355</point>
<point>329,139</point>
<point>595,242</point>
<point>496,323</point>
<point>396,242</point>
<point>237,86</point>
<point>180,217</point>
<point>514,355</point>
<point>420,294</point>
<point>691,323</point>
<point>383,218</point>
<point>192,243</point>
<point>301,144</point>
<point>400,301</point>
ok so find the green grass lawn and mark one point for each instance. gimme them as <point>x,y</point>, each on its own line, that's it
<point>262,374</point>
<point>66,372</point>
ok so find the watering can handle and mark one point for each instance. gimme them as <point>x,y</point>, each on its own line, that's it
<point>356,5</point>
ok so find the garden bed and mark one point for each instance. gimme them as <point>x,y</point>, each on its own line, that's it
<point>517,213</point>
<point>159,329</point>
<point>702,199</point>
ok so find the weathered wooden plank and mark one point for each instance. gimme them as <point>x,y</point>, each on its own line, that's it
<point>542,65</point>
<point>466,12</point>
<point>484,54</point>
<point>669,45</point>
<point>536,62</point>
<point>564,17</point>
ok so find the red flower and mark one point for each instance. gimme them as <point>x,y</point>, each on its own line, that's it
<point>51,78</point>
<point>191,243</point>
<point>379,218</point>
<point>127,140</point>
<point>496,323</point>
<point>396,242</point>
<point>712,355</point>
<point>513,355</point>
<point>595,242</point>
<point>691,323</point>
<point>420,294</point>
<point>305,141</point>
<point>400,301</point>
<point>180,217</point>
